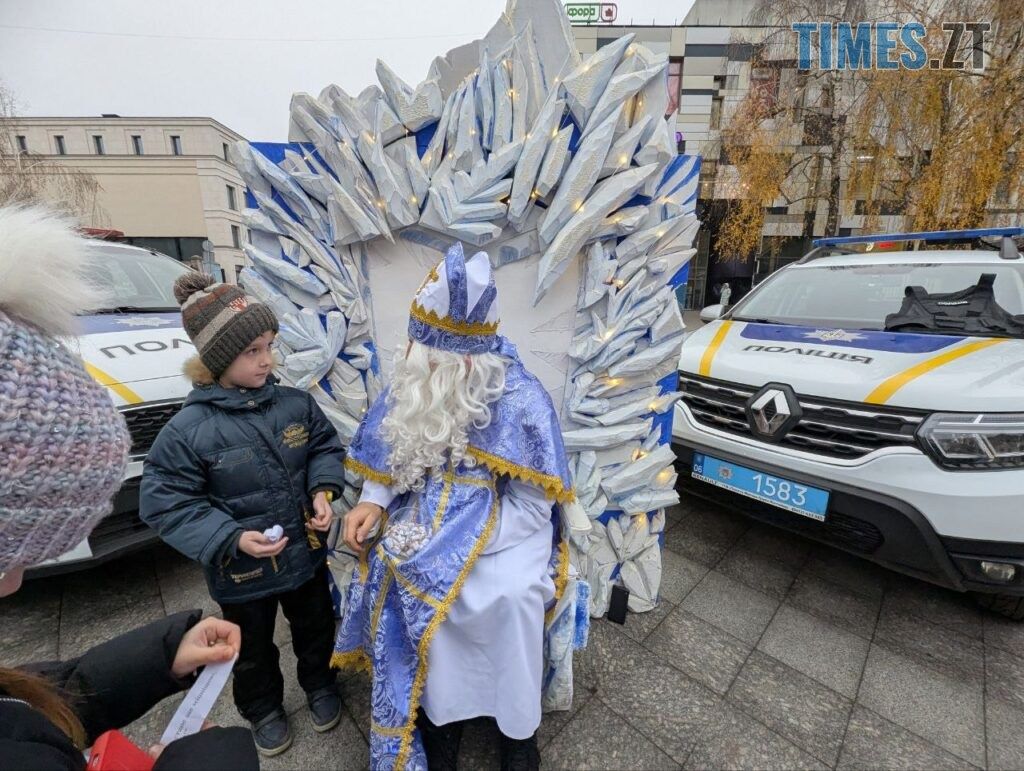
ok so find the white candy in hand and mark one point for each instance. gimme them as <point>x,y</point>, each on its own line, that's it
<point>274,534</point>
<point>403,539</point>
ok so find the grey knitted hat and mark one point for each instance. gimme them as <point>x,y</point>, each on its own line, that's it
<point>219,319</point>
<point>63,445</point>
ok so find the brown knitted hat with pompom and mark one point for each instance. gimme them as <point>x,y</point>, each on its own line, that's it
<point>219,319</point>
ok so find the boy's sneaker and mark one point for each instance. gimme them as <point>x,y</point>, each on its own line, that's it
<point>324,708</point>
<point>272,734</point>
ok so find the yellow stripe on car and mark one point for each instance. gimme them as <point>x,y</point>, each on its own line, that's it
<point>890,386</point>
<point>120,389</point>
<point>712,349</point>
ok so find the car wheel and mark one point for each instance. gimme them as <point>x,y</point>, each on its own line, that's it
<point>1003,604</point>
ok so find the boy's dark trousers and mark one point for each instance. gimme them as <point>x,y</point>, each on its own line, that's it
<point>258,684</point>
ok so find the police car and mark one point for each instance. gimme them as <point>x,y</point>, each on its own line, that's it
<point>136,348</point>
<point>873,400</point>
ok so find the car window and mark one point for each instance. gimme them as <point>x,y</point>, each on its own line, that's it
<point>135,279</point>
<point>861,296</point>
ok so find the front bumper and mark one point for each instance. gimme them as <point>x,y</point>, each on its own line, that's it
<point>894,507</point>
<point>118,533</point>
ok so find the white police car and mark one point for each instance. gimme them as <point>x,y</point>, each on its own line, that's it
<point>136,348</point>
<point>900,441</point>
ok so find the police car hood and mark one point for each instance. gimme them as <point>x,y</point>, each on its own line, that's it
<point>147,350</point>
<point>922,371</point>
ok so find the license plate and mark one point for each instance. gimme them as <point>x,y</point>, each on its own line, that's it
<point>784,493</point>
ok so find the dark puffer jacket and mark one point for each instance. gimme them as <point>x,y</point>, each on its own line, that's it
<point>110,686</point>
<point>242,459</point>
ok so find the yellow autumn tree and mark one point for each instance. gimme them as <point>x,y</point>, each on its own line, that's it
<point>944,146</point>
<point>937,148</point>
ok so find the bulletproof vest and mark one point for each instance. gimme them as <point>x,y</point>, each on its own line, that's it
<point>973,310</point>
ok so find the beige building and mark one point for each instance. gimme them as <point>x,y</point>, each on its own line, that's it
<point>164,182</point>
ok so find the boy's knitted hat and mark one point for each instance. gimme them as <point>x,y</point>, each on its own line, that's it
<point>219,319</point>
<point>63,444</point>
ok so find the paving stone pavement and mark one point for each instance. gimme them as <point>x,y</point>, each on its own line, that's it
<point>767,651</point>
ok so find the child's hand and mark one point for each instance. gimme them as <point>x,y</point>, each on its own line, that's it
<point>359,522</point>
<point>324,515</point>
<point>255,544</point>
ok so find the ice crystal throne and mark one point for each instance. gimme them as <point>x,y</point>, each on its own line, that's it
<point>565,172</point>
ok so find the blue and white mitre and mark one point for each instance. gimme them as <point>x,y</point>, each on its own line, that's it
<point>456,307</point>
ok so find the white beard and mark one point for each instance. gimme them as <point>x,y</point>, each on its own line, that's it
<point>436,397</point>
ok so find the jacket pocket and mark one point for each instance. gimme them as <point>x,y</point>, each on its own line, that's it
<point>233,471</point>
<point>246,573</point>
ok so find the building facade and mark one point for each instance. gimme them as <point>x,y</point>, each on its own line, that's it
<point>165,183</point>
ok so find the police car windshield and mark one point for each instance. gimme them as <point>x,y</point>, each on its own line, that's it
<point>135,280</point>
<point>861,296</point>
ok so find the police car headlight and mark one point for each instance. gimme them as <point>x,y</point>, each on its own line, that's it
<point>979,441</point>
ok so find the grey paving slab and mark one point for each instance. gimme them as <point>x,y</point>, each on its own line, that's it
<point>84,626</point>
<point>608,650</point>
<point>793,705</point>
<point>181,582</point>
<point>731,606</point>
<point>639,625</point>
<point>600,739</point>
<point>872,742</point>
<point>942,709</point>
<point>658,700</point>
<point>705,535</point>
<point>832,656</point>
<point>836,604</point>
<point>1005,733</point>
<point>941,647</point>
<point>750,566</point>
<point>777,545</point>
<point>939,606</point>
<point>30,623</point>
<point>355,694</point>
<point>553,722</point>
<point>1002,633</point>
<point>679,575</point>
<point>734,740</point>
<point>846,570</point>
<point>699,649</point>
<point>1004,677</point>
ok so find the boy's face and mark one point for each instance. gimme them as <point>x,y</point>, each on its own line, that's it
<point>252,366</point>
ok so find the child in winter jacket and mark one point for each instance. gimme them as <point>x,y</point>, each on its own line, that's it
<point>244,456</point>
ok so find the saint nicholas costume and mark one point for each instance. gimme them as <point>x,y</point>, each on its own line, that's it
<point>451,608</point>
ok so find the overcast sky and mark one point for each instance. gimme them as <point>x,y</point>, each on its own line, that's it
<point>238,61</point>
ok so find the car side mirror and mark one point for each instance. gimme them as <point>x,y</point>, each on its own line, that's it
<point>712,312</point>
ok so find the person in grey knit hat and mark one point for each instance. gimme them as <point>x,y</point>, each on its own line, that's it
<point>63,445</point>
<point>63,452</point>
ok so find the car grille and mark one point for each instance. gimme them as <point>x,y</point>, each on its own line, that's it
<point>832,428</point>
<point>145,422</point>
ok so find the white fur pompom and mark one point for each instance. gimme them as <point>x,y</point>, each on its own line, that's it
<point>43,262</point>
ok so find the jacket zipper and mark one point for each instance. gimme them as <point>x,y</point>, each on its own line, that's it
<point>263,432</point>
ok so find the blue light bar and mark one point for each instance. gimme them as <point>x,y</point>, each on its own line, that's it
<point>925,235</point>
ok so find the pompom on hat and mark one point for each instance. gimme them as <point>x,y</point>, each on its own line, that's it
<point>219,319</point>
<point>63,444</point>
<point>456,307</point>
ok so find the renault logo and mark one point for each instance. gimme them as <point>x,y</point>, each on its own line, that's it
<point>773,411</point>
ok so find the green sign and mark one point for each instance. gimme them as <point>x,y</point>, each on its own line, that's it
<point>591,13</point>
